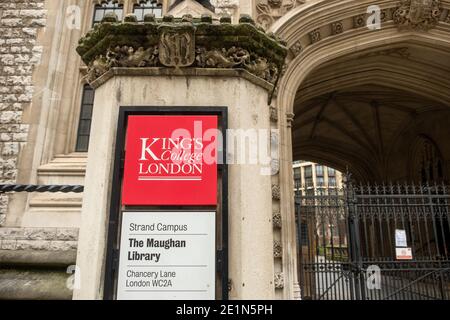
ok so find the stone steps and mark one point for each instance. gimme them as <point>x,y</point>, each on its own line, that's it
<point>37,263</point>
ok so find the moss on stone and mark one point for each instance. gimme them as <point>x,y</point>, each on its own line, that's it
<point>246,35</point>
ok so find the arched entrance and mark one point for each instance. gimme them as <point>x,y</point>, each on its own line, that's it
<point>373,102</point>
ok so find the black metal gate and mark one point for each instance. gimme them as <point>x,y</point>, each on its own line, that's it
<point>348,248</point>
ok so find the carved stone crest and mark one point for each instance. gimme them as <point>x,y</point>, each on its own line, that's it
<point>276,220</point>
<point>269,11</point>
<point>417,14</point>
<point>273,114</point>
<point>276,193</point>
<point>176,46</point>
<point>279,280</point>
<point>277,249</point>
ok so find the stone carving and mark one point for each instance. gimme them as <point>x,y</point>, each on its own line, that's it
<point>315,36</point>
<point>226,7</point>
<point>277,249</point>
<point>236,57</point>
<point>189,43</point>
<point>279,280</point>
<point>97,67</point>
<point>176,46</point>
<point>222,58</point>
<point>276,219</point>
<point>360,21</point>
<point>417,14</point>
<point>273,114</point>
<point>297,48</point>
<point>128,57</point>
<point>124,56</point>
<point>269,11</point>
<point>290,119</point>
<point>262,68</point>
<point>276,193</point>
<point>337,27</point>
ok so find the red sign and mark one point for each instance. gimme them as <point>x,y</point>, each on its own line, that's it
<point>170,160</point>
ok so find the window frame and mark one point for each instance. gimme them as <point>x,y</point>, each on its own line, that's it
<point>97,6</point>
<point>137,6</point>
<point>82,104</point>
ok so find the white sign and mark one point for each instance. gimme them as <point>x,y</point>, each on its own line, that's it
<point>403,253</point>
<point>167,256</point>
<point>400,238</point>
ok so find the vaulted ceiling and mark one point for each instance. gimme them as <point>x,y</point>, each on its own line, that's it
<point>353,112</point>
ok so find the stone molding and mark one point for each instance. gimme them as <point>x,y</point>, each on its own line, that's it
<point>61,234</point>
<point>49,239</point>
<point>175,43</point>
<point>415,15</point>
<point>185,72</point>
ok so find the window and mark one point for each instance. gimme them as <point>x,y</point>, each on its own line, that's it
<point>320,181</point>
<point>319,170</point>
<point>147,6</point>
<point>106,7</point>
<point>297,174</point>
<point>331,181</point>
<point>331,172</point>
<point>428,161</point>
<point>308,176</point>
<point>84,125</point>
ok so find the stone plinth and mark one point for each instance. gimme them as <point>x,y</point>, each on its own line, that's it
<point>200,80</point>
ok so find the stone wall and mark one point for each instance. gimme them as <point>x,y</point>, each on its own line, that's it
<point>20,21</point>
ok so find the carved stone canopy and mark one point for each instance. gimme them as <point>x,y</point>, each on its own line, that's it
<point>419,15</point>
<point>181,43</point>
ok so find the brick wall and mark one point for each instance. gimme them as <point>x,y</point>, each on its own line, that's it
<point>19,54</point>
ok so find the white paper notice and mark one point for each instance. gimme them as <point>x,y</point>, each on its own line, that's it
<point>400,238</point>
<point>403,253</point>
<point>167,256</point>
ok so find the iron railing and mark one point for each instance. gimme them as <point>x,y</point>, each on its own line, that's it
<point>344,233</point>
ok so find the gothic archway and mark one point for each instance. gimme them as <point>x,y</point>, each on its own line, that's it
<point>334,56</point>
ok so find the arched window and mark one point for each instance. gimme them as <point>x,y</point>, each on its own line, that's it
<point>147,6</point>
<point>429,164</point>
<point>84,124</point>
<point>105,7</point>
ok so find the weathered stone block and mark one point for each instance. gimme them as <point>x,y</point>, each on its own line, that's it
<point>63,245</point>
<point>67,234</point>
<point>9,244</point>
<point>40,233</point>
<point>11,233</point>
<point>33,245</point>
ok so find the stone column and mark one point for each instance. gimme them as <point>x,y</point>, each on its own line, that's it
<point>236,77</point>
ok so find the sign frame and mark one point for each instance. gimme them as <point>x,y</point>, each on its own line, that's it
<point>194,214</point>
<point>116,209</point>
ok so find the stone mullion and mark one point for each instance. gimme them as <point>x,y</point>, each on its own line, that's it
<point>276,216</point>
<point>289,243</point>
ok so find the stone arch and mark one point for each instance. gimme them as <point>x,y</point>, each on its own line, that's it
<point>319,32</point>
<point>316,14</point>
